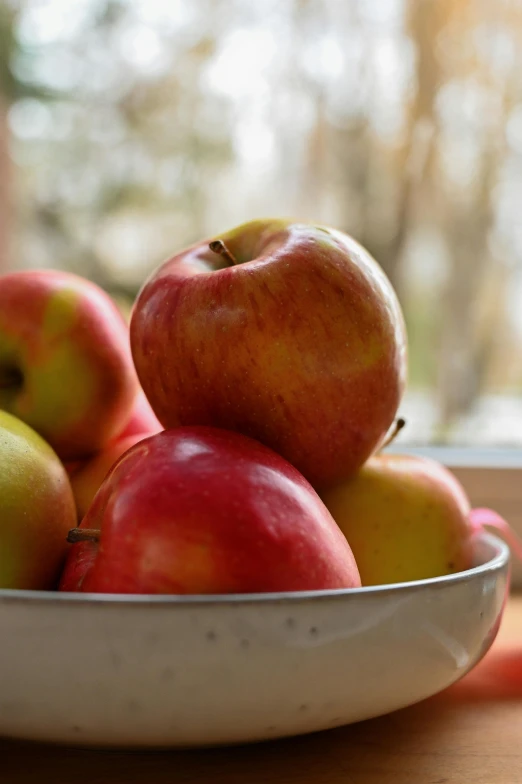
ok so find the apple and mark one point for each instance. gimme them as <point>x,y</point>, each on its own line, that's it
<point>65,362</point>
<point>406,518</point>
<point>36,508</point>
<point>142,419</point>
<point>285,332</point>
<point>87,476</point>
<point>199,510</point>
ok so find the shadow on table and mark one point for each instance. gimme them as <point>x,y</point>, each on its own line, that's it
<point>349,755</point>
<point>357,753</point>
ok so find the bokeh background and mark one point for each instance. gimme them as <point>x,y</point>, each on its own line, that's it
<point>131,129</point>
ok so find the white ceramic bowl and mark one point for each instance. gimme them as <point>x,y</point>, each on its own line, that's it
<point>168,671</point>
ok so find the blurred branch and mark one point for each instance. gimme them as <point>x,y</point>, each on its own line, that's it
<point>6,89</point>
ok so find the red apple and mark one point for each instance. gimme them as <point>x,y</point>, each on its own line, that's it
<point>285,332</point>
<point>201,510</point>
<point>87,476</point>
<point>142,419</point>
<point>65,363</point>
<point>88,473</point>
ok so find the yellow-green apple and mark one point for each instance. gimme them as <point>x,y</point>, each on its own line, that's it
<point>87,476</point>
<point>199,510</point>
<point>65,362</point>
<point>406,518</point>
<point>285,332</point>
<point>36,508</point>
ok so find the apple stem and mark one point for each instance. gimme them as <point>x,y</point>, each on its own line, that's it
<point>83,535</point>
<point>219,247</point>
<point>484,518</point>
<point>397,427</point>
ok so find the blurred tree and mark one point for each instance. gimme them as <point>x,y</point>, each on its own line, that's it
<point>7,92</point>
<point>466,208</point>
<point>138,126</point>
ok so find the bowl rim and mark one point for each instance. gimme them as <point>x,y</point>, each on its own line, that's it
<point>498,562</point>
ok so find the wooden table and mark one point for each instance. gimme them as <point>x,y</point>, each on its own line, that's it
<point>470,734</point>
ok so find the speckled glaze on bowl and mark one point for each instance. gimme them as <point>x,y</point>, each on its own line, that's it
<point>169,671</point>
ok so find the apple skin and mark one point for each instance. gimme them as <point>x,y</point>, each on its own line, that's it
<point>36,509</point>
<point>300,344</point>
<point>87,476</point>
<point>65,362</point>
<point>201,510</point>
<point>406,518</point>
<point>142,419</point>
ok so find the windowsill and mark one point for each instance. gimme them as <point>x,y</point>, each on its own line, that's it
<point>469,457</point>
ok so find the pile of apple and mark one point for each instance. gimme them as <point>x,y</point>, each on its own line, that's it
<point>229,439</point>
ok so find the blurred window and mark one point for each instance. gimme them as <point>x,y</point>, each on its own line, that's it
<point>129,129</point>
